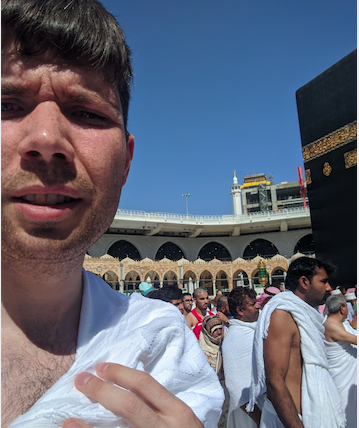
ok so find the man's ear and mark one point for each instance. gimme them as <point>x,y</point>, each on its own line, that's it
<point>303,282</point>
<point>130,145</point>
<point>239,311</point>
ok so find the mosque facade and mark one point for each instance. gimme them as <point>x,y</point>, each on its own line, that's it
<point>270,224</point>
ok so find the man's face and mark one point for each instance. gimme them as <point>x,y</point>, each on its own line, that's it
<point>64,157</point>
<point>225,310</point>
<point>202,301</point>
<point>250,310</point>
<point>318,288</point>
<point>179,304</point>
<point>345,311</point>
<point>187,303</point>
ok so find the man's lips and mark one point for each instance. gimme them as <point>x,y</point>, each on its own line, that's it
<point>46,199</point>
<point>39,195</point>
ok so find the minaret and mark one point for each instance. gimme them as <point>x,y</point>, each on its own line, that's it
<point>236,196</point>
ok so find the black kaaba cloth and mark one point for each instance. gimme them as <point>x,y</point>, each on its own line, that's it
<point>327,110</point>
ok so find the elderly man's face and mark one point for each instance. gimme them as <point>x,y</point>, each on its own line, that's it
<point>64,157</point>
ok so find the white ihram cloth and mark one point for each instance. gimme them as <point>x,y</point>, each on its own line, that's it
<point>237,363</point>
<point>140,333</point>
<point>321,405</point>
<point>342,360</point>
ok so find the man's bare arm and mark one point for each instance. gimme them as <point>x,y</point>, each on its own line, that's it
<point>277,352</point>
<point>335,331</point>
<point>143,404</point>
<point>191,320</point>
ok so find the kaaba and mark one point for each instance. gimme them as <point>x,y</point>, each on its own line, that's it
<point>327,112</point>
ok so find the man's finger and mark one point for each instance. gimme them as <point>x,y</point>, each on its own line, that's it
<point>119,401</point>
<point>142,384</point>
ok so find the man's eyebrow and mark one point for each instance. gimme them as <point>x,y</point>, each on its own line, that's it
<point>78,97</point>
<point>13,89</point>
<point>89,97</point>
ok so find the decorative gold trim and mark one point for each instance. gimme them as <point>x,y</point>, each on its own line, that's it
<point>308,176</point>
<point>327,169</point>
<point>350,158</point>
<point>330,142</point>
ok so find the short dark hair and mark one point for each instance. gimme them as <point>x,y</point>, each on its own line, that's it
<point>198,291</point>
<point>186,294</point>
<point>167,293</point>
<point>237,298</point>
<point>81,32</point>
<point>305,266</point>
<point>222,301</point>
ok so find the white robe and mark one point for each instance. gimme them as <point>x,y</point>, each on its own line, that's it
<point>140,333</point>
<point>320,400</point>
<point>237,363</point>
<point>342,360</point>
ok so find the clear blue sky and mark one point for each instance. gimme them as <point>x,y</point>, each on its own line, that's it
<point>214,91</point>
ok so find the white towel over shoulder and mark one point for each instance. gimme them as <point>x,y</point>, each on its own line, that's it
<point>137,332</point>
<point>321,405</point>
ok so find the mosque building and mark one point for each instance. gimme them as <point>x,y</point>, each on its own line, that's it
<point>270,224</point>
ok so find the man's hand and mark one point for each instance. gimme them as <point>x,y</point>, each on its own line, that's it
<point>143,404</point>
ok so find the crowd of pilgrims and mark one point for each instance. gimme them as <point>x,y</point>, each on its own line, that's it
<point>214,322</point>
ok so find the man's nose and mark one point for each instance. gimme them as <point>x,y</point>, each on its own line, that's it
<point>45,135</point>
<point>329,287</point>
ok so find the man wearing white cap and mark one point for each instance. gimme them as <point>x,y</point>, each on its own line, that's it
<point>350,322</point>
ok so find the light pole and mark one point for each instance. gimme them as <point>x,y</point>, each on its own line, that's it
<point>186,196</point>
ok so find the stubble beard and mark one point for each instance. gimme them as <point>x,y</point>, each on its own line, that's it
<point>46,247</point>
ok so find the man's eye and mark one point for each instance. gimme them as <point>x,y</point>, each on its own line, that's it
<point>91,118</point>
<point>9,107</point>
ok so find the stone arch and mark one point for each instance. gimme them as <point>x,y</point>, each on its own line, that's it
<point>305,245</point>
<point>132,282</point>
<point>154,279</point>
<point>240,278</point>
<point>222,281</point>
<point>213,250</point>
<point>278,276</point>
<point>261,247</point>
<point>112,279</point>
<point>206,281</point>
<point>170,278</point>
<point>169,250</point>
<point>123,249</point>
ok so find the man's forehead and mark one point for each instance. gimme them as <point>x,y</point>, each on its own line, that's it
<point>202,296</point>
<point>25,75</point>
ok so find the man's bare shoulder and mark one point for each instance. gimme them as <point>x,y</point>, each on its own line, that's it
<point>335,331</point>
<point>191,320</point>
<point>282,321</point>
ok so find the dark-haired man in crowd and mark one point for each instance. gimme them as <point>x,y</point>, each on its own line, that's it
<point>171,294</point>
<point>223,311</point>
<point>237,358</point>
<point>289,353</point>
<point>187,303</point>
<point>66,154</point>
